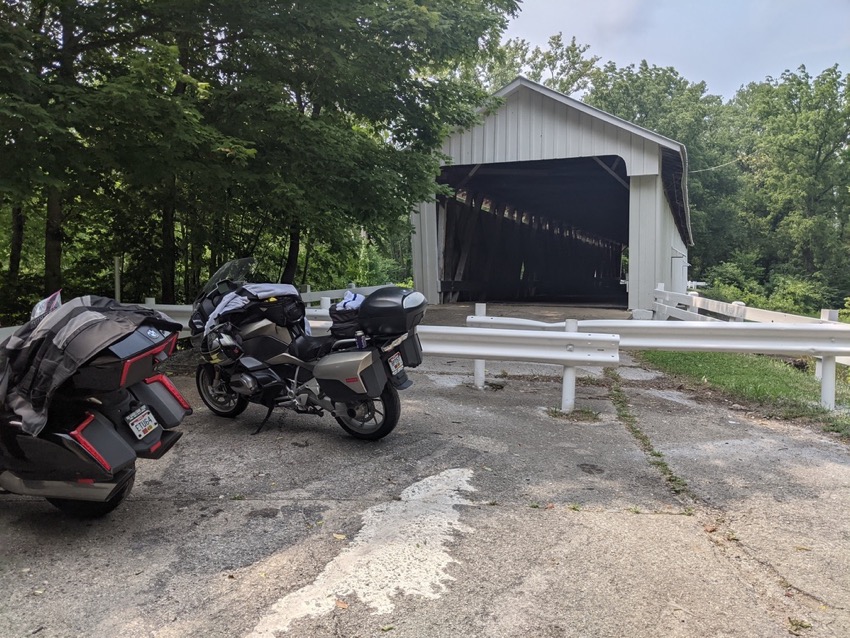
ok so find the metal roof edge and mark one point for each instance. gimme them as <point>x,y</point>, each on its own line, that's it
<point>684,152</point>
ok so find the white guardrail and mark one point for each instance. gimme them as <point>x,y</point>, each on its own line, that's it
<point>569,349</point>
<point>826,340</point>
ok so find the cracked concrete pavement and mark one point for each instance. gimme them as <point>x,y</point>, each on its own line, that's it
<point>483,514</point>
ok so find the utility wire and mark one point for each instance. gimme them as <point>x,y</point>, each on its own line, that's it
<point>703,170</point>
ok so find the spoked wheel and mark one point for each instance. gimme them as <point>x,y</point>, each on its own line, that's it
<point>371,419</point>
<point>217,395</point>
<point>93,509</point>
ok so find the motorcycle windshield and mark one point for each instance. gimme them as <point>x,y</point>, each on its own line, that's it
<point>236,270</point>
<point>47,305</point>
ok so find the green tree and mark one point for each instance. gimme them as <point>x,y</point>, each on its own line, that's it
<point>559,66</point>
<point>794,139</point>
<point>661,100</point>
<point>179,134</point>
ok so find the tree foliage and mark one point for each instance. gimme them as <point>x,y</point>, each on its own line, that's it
<point>179,134</point>
<point>559,66</point>
<point>769,178</point>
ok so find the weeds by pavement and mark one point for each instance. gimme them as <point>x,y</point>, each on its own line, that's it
<point>778,388</point>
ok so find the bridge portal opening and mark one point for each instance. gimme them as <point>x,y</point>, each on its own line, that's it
<point>535,231</point>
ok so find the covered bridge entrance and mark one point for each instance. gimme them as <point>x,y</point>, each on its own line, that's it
<point>553,200</point>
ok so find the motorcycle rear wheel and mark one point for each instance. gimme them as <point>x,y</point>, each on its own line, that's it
<point>372,419</point>
<point>218,397</point>
<point>93,509</point>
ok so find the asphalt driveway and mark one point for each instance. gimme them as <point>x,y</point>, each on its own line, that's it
<point>483,514</point>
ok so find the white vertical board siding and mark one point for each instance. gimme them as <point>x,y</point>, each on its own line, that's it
<point>679,256</point>
<point>643,239</point>
<point>530,126</point>
<point>663,252</point>
<point>425,252</point>
<point>672,260</point>
<point>680,264</point>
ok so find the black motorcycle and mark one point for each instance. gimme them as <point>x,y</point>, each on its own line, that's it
<point>83,400</point>
<point>255,343</point>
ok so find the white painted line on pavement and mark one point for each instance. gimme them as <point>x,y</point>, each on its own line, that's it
<point>399,550</point>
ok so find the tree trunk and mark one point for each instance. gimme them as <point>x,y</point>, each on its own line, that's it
<point>53,242</point>
<point>169,245</point>
<point>291,267</point>
<point>53,223</point>
<point>307,252</point>
<point>17,242</point>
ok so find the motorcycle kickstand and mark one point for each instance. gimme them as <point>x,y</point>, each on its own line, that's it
<point>265,420</point>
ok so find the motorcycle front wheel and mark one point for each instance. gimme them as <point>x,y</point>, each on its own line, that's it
<point>92,509</point>
<point>371,419</point>
<point>217,395</point>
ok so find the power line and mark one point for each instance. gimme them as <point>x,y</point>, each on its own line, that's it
<point>703,170</point>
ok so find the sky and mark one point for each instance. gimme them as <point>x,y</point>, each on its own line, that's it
<point>725,43</point>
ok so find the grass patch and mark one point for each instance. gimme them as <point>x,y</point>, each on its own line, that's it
<point>677,484</point>
<point>778,389</point>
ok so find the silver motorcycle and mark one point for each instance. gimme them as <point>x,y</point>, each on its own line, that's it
<point>256,347</point>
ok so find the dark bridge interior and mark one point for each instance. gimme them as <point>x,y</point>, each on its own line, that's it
<point>550,230</point>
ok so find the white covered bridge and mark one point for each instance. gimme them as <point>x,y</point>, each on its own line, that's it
<point>554,200</point>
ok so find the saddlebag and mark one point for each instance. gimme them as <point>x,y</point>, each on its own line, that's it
<point>163,399</point>
<point>89,449</point>
<point>353,374</point>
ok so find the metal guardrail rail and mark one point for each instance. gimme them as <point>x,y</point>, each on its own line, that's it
<point>823,339</point>
<point>569,349</point>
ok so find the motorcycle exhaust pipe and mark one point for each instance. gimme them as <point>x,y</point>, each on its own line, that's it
<point>60,489</point>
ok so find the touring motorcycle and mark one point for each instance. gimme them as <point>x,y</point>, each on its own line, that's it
<point>256,347</point>
<point>82,399</point>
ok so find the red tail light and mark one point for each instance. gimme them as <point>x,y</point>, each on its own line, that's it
<point>77,435</point>
<point>166,346</point>
<point>164,380</point>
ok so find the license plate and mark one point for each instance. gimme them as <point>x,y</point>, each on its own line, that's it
<point>142,422</point>
<point>396,363</point>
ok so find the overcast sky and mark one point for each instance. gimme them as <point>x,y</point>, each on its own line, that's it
<point>726,43</point>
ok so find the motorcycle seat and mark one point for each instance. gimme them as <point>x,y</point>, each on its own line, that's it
<point>309,348</point>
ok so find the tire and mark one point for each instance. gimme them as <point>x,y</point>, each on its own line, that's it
<point>220,399</point>
<point>372,419</point>
<point>93,509</point>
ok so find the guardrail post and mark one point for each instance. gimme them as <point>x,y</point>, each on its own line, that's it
<point>150,302</point>
<point>740,309</point>
<point>117,262</point>
<point>826,315</point>
<point>827,383</point>
<point>325,303</point>
<point>568,391</point>
<point>478,368</point>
